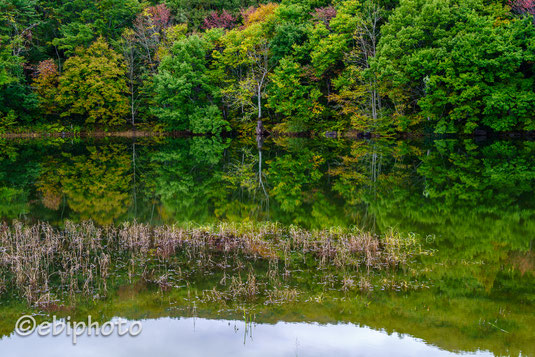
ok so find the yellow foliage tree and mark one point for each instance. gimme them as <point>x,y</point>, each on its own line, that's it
<point>93,85</point>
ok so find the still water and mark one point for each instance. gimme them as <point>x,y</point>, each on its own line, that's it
<point>469,204</point>
<point>204,337</point>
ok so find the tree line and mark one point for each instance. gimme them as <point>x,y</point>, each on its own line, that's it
<point>374,66</point>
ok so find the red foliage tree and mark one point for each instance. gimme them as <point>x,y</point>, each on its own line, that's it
<point>523,6</point>
<point>223,20</point>
<point>153,19</point>
<point>149,29</point>
<point>159,15</point>
<point>47,68</point>
<point>324,14</point>
<point>45,84</point>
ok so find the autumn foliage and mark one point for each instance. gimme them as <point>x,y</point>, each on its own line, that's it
<point>46,84</point>
<point>324,14</point>
<point>219,20</point>
<point>446,66</point>
<point>259,14</point>
<point>522,6</point>
<point>159,16</point>
<point>93,85</point>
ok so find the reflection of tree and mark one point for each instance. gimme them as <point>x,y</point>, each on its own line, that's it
<point>358,175</point>
<point>260,174</point>
<point>299,189</point>
<point>49,185</point>
<point>465,191</point>
<point>13,202</point>
<point>245,184</point>
<point>200,180</point>
<point>96,184</point>
<point>474,203</point>
<point>18,169</point>
<point>188,178</point>
<point>291,175</point>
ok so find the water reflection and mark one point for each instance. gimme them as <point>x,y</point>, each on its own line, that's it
<point>189,336</point>
<point>449,188</point>
<point>471,203</point>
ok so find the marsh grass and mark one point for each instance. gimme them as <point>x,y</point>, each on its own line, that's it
<point>223,263</point>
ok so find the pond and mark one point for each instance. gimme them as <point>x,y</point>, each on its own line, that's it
<point>205,337</point>
<point>290,246</point>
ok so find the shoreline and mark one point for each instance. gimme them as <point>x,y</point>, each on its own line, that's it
<point>90,134</point>
<point>348,135</point>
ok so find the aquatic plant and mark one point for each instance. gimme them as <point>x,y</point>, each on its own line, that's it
<point>46,265</point>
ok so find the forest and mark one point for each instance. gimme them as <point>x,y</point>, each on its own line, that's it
<point>295,66</point>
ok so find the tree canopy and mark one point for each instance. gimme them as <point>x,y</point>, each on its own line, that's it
<point>372,66</point>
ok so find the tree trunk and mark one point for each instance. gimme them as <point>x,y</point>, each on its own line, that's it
<point>259,102</point>
<point>259,127</point>
<point>134,176</point>
<point>132,107</point>
<point>259,124</point>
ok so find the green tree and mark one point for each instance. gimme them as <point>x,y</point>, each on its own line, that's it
<point>16,99</point>
<point>80,21</point>
<point>462,63</point>
<point>17,19</point>
<point>245,61</point>
<point>185,92</point>
<point>291,95</point>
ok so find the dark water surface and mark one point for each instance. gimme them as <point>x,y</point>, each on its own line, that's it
<point>471,204</point>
